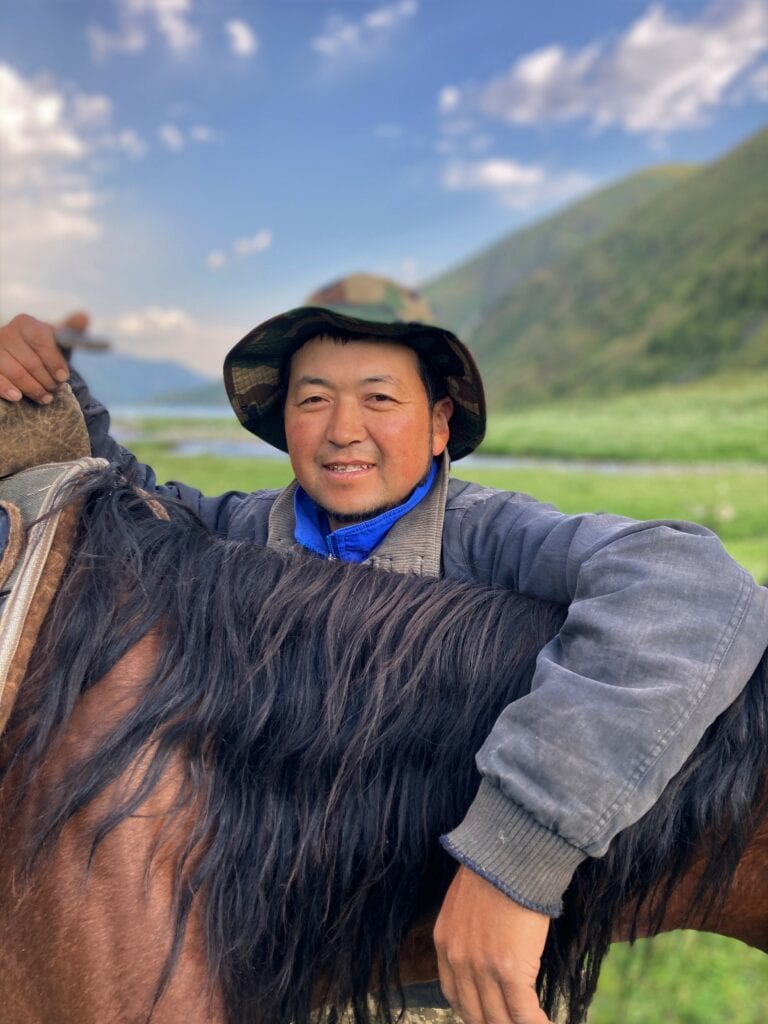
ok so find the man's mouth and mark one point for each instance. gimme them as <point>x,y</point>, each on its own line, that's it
<point>348,467</point>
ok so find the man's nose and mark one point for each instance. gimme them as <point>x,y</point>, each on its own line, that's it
<point>346,424</point>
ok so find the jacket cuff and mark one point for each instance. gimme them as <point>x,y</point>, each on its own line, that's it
<point>506,846</point>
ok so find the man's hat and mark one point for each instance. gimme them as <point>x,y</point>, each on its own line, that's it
<point>255,371</point>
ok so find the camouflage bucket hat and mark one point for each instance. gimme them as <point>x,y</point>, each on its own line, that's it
<point>256,369</point>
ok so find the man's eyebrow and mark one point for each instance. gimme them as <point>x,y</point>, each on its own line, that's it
<point>379,378</point>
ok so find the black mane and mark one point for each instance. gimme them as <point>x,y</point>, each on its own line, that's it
<point>339,708</point>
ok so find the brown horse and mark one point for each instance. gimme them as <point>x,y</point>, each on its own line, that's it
<point>226,771</point>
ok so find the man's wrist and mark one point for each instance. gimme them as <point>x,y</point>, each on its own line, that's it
<point>503,843</point>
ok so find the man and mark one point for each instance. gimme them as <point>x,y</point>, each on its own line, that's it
<point>663,629</point>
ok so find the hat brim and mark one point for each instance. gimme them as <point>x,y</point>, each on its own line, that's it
<point>255,369</point>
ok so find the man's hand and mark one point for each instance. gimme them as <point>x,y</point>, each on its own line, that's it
<point>488,952</point>
<point>31,363</point>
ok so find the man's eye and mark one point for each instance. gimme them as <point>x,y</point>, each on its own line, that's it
<point>312,400</point>
<point>381,398</point>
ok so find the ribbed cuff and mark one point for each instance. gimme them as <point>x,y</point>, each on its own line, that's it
<point>505,845</point>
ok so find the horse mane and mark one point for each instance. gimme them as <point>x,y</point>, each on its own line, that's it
<point>340,708</point>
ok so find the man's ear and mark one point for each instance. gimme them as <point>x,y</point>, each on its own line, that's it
<point>441,431</point>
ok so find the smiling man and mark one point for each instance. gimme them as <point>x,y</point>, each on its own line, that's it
<point>663,628</point>
<point>353,419</point>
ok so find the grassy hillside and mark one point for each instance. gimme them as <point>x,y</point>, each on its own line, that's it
<point>461,298</point>
<point>675,295</point>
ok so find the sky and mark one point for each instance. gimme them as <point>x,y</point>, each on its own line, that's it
<point>184,169</point>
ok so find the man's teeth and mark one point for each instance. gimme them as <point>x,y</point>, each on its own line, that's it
<point>340,467</point>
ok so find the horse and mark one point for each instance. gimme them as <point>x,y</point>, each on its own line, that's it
<point>225,775</point>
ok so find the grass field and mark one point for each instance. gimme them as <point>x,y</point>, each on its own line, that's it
<point>719,421</point>
<point>684,978</point>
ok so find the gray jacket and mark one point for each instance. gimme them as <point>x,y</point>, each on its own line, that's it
<point>663,631</point>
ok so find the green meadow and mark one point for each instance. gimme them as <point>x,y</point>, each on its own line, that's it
<point>701,454</point>
<point>718,420</point>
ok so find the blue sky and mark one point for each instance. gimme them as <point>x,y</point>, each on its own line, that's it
<point>185,168</point>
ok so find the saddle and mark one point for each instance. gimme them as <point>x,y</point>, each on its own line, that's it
<point>42,449</point>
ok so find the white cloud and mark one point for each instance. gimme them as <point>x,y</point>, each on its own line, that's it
<point>240,248</point>
<point>45,145</point>
<point>171,332</point>
<point>254,243</point>
<point>153,319</point>
<point>131,143</point>
<point>174,138</point>
<point>171,137</point>
<point>216,259</point>
<point>243,41</point>
<point>92,111</point>
<point>201,133</point>
<point>518,186</point>
<point>662,75</point>
<point>494,173</point>
<point>168,18</point>
<point>448,99</point>
<point>53,210</point>
<point>36,121</point>
<point>341,37</point>
<point>81,199</point>
<point>130,39</point>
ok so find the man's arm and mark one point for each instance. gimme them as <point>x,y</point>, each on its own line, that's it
<point>663,632</point>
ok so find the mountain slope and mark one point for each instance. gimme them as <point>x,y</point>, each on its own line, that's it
<point>674,293</point>
<point>461,297</point>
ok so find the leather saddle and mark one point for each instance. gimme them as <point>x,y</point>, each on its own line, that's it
<point>42,449</point>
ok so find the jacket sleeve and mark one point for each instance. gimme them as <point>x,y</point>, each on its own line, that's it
<point>663,631</point>
<point>215,512</point>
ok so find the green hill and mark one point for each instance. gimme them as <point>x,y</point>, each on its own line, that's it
<point>675,290</point>
<point>462,297</point>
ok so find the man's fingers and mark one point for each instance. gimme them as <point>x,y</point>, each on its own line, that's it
<point>481,996</point>
<point>24,368</point>
<point>521,1004</point>
<point>461,993</point>
<point>16,381</point>
<point>30,361</point>
<point>40,337</point>
<point>9,390</point>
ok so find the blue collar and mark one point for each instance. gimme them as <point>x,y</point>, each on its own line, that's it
<point>349,543</point>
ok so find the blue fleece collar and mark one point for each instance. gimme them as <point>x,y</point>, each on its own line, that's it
<point>352,543</point>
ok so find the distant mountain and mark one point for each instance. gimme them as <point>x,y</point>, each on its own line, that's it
<point>673,290</point>
<point>211,393</point>
<point>119,379</point>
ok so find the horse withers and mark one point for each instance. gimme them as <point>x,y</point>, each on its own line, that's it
<point>226,771</point>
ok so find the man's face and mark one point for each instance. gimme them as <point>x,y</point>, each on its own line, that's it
<point>359,428</point>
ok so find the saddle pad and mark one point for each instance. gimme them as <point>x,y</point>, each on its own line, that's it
<point>34,578</point>
<point>34,435</point>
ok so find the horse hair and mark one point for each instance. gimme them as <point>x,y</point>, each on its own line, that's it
<point>339,708</point>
